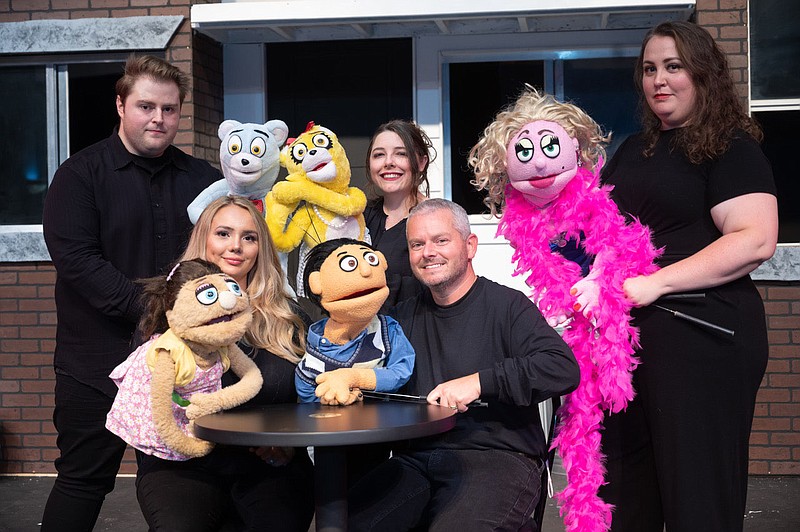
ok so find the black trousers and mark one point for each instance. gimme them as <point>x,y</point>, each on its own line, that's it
<point>89,460</point>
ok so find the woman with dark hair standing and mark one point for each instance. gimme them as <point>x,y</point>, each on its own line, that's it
<point>398,158</point>
<point>698,178</point>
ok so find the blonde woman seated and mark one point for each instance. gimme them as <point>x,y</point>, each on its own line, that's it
<point>268,488</point>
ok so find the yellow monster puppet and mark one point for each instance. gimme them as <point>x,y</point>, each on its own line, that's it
<point>315,203</point>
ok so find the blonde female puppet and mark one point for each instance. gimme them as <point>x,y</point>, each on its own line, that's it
<point>539,161</point>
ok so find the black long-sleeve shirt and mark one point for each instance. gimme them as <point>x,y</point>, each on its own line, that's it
<point>497,332</point>
<point>110,218</point>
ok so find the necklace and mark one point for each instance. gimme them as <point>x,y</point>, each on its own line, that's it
<point>330,223</point>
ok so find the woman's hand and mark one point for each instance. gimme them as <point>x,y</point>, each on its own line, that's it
<point>274,456</point>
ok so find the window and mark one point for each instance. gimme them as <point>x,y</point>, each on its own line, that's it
<point>775,99</point>
<point>601,86</point>
<point>62,109</point>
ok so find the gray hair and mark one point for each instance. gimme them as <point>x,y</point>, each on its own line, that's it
<point>460,218</point>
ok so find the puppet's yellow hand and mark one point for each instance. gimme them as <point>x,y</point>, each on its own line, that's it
<point>341,386</point>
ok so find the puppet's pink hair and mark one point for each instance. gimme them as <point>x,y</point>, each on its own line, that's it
<point>604,351</point>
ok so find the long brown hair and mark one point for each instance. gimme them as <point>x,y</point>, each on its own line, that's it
<point>275,327</point>
<point>717,112</point>
<point>417,145</point>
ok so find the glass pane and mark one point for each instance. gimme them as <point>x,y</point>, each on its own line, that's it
<point>355,87</point>
<point>92,103</point>
<point>604,89</point>
<point>477,92</point>
<point>774,49</point>
<point>23,152</point>
<point>781,138</point>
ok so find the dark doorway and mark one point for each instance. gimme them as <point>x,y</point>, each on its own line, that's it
<point>350,87</point>
<point>477,92</point>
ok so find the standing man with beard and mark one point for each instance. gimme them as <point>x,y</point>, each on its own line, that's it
<point>115,212</point>
<point>474,339</point>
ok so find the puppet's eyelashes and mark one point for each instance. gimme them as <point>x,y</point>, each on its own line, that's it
<point>206,294</point>
<point>299,151</point>
<point>524,150</point>
<point>551,146</point>
<point>258,147</point>
<point>234,287</point>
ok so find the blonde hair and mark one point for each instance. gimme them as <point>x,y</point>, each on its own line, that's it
<point>275,327</point>
<point>488,156</point>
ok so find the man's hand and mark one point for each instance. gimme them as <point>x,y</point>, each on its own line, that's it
<point>457,393</point>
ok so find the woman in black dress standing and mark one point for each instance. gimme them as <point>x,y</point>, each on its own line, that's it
<point>398,158</point>
<point>697,177</point>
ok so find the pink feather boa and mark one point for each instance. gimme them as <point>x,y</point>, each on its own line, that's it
<point>604,351</point>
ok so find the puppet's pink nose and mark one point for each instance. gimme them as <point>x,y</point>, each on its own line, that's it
<point>227,300</point>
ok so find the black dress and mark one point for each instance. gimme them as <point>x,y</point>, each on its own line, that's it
<point>679,454</point>
<point>232,484</point>
<point>392,243</point>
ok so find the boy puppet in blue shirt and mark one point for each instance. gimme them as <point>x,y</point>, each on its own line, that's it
<point>354,348</point>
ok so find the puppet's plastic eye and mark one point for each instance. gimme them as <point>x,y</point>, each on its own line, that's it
<point>298,152</point>
<point>206,294</point>
<point>258,147</point>
<point>371,258</point>
<point>321,140</point>
<point>551,146</point>
<point>234,144</point>
<point>348,263</point>
<point>234,287</point>
<point>524,150</point>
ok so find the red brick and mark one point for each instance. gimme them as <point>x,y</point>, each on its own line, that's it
<point>779,366</point>
<point>39,441</point>
<point>8,305</point>
<point>38,386</point>
<point>776,307</point>
<point>47,291</point>
<point>733,4</point>
<point>22,427</point>
<point>48,399</point>
<point>770,424</point>
<point>758,468</point>
<point>718,18</point>
<point>18,291</point>
<point>18,318</point>
<point>9,277</point>
<point>790,439</point>
<point>9,332</point>
<point>38,332</point>
<point>30,5</point>
<point>778,337</point>
<point>28,305</point>
<point>768,395</point>
<point>784,351</point>
<point>784,292</point>
<point>89,13</point>
<point>20,399</point>
<point>770,453</point>
<point>50,455</point>
<point>21,346</point>
<point>19,373</point>
<point>9,359</point>
<point>784,381</point>
<point>47,413</point>
<point>784,410</point>
<point>759,438</point>
<point>37,277</point>
<point>7,386</point>
<point>16,453</point>
<point>71,4</point>
<point>48,318</point>
<point>110,4</point>
<point>786,468</point>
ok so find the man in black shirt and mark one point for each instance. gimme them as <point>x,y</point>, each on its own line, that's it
<point>474,339</point>
<point>115,212</point>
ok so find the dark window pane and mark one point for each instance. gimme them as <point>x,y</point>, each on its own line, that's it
<point>477,92</point>
<point>92,103</point>
<point>604,89</point>
<point>781,138</point>
<point>351,87</point>
<point>23,152</point>
<point>775,49</point>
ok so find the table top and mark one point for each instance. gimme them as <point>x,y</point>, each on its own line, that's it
<point>300,425</point>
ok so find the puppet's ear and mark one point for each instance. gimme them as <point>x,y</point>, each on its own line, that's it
<point>314,283</point>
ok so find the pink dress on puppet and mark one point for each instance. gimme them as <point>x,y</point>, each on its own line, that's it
<point>131,416</point>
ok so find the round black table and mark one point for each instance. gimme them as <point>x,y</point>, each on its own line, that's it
<point>327,429</point>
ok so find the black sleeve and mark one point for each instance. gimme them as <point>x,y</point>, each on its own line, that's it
<point>541,365</point>
<point>71,224</point>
